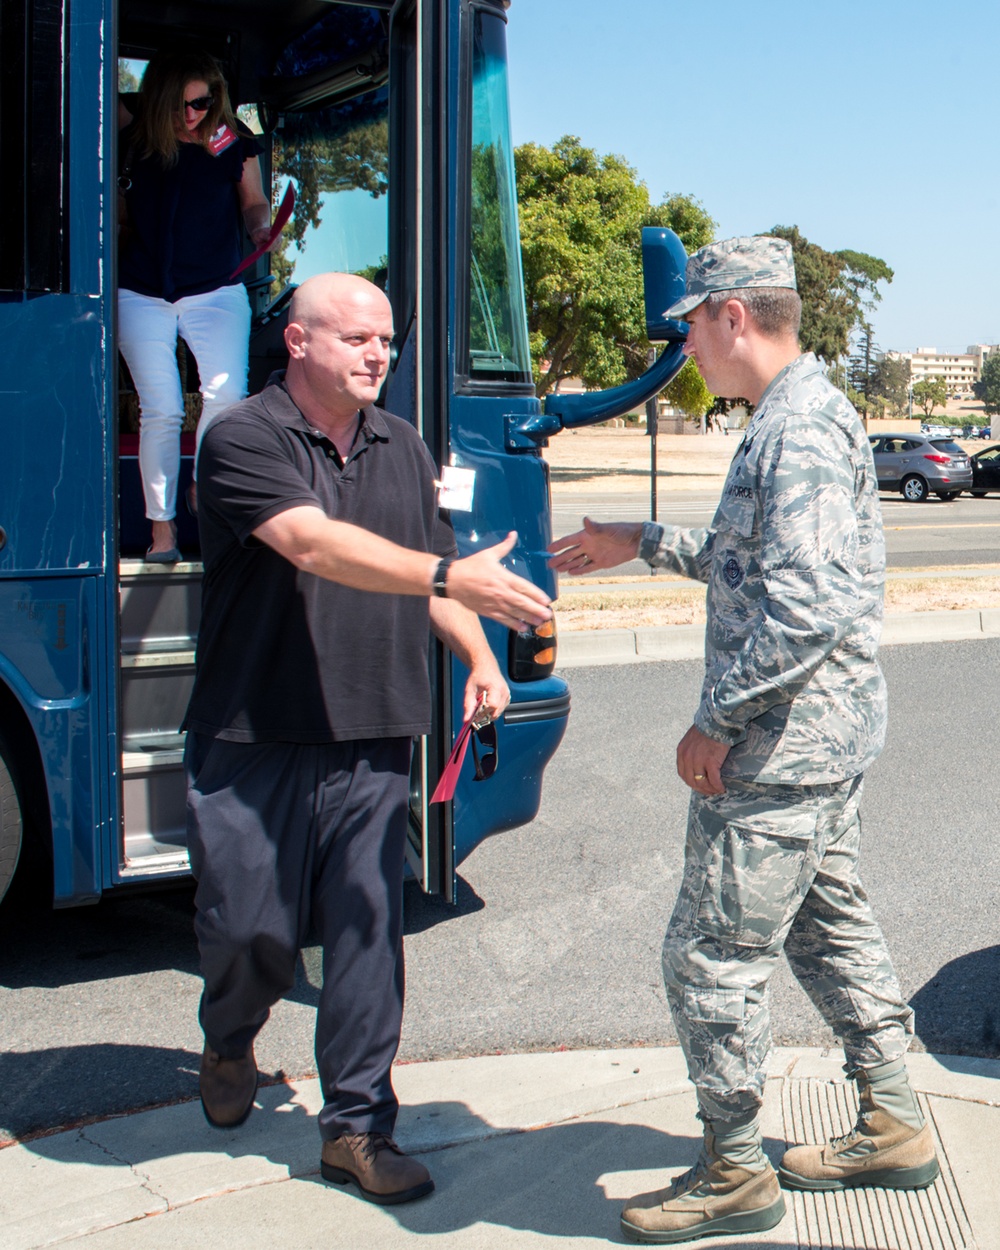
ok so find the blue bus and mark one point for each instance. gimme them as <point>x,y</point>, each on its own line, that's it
<point>391,119</point>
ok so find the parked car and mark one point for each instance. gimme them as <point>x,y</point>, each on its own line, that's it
<point>985,471</point>
<point>918,464</point>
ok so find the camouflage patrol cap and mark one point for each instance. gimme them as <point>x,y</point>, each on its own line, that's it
<point>760,260</point>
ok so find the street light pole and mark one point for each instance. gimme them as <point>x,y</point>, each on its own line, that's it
<point>652,428</point>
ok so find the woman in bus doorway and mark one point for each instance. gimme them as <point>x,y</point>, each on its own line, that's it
<point>190,181</point>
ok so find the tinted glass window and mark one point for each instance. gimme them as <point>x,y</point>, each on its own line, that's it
<point>497,326</point>
<point>946,445</point>
<point>32,102</point>
<point>338,159</point>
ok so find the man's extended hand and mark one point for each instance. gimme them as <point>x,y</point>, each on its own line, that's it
<point>598,545</point>
<point>700,760</point>
<point>483,585</point>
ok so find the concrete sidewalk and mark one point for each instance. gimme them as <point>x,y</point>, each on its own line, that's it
<point>590,647</point>
<point>527,1151</point>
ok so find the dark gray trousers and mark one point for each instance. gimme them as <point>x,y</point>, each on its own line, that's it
<point>283,836</point>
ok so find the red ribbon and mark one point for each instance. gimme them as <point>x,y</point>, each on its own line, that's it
<point>445,788</point>
<point>280,220</point>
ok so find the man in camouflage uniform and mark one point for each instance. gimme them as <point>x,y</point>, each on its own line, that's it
<point>793,709</point>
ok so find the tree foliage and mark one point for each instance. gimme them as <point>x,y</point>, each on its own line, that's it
<point>891,383</point>
<point>688,392</point>
<point>837,289</point>
<point>127,81</point>
<point>581,218</point>
<point>341,148</point>
<point>930,393</point>
<point>988,387</point>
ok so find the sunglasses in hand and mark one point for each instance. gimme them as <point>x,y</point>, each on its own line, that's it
<point>485,736</point>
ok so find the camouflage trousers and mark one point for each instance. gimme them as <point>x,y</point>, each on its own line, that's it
<point>770,869</point>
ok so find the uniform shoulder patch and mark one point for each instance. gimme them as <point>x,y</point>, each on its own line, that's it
<point>732,571</point>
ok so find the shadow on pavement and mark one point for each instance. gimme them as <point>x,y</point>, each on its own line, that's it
<point>958,1010</point>
<point>423,911</point>
<point>563,1180</point>
<point>122,935</point>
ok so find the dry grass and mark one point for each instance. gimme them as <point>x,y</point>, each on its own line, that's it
<point>680,602</point>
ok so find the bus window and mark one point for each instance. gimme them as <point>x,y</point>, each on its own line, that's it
<point>337,153</point>
<point>497,331</point>
<point>338,159</point>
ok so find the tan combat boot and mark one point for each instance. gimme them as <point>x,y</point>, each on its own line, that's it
<point>715,1197</point>
<point>880,1150</point>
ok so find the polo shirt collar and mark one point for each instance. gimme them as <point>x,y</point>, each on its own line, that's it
<point>282,408</point>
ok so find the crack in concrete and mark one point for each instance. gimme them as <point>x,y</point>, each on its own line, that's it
<point>144,1179</point>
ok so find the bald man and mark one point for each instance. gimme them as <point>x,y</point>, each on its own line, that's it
<point>327,561</point>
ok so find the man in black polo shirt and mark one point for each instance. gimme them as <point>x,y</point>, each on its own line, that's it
<point>326,560</point>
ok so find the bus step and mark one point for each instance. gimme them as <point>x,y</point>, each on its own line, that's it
<point>155,811</point>
<point>155,690</point>
<point>160,605</point>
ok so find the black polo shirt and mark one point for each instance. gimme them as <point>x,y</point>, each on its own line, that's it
<point>284,655</point>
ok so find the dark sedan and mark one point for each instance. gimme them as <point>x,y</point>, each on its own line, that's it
<point>985,471</point>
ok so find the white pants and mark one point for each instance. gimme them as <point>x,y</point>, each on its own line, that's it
<point>216,327</point>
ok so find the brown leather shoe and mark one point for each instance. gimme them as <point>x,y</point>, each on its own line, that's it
<point>373,1162</point>
<point>715,1197</point>
<point>227,1087</point>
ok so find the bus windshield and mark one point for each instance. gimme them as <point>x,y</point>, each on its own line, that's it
<point>497,325</point>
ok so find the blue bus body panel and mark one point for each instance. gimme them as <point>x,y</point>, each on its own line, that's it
<point>58,654</point>
<point>507,485</point>
<point>54,465</point>
<point>49,655</point>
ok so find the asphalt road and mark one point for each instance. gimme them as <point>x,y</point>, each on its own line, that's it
<point>555,941</point>
<point>964,531</point>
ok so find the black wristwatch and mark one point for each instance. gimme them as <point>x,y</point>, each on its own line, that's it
<point>441,578</point>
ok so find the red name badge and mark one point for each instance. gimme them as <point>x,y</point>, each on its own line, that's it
<point>223,138</point>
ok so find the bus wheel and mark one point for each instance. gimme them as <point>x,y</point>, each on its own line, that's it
<point>10,827</point>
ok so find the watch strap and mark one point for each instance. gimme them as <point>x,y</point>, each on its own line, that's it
<point>440,582</point>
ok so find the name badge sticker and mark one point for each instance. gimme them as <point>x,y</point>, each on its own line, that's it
<point>455,488</point>
<point>223,138</point>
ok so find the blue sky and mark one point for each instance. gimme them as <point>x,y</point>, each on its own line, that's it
<point>868,125</point>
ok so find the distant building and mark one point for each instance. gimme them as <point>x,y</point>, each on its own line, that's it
<point>960,372</point>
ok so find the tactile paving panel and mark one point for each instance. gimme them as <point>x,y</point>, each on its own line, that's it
<point>867,1219</point>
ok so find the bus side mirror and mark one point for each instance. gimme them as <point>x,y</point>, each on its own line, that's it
<point>664,262</point>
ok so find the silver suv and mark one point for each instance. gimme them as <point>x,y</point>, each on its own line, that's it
<point>917,464</point>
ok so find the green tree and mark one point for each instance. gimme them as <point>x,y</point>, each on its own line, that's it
<point>861,374</point>
<point>891,383</point>
<point>341,148</point>
<point>988,387</point>
<point>688,392</point>
<point>929,394</point>
<point>127,81</point>
<point>581,218</point>
<point>837,289</point>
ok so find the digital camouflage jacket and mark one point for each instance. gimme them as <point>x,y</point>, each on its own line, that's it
<point>795,566</point>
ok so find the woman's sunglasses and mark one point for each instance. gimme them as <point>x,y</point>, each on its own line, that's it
<point>200,105</point>
<point>486,764</point>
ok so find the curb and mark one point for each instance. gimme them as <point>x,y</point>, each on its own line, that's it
<point>593,647</point>
<point>103,1183</point>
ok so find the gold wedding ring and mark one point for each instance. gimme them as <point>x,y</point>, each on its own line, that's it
<point>699,776</point>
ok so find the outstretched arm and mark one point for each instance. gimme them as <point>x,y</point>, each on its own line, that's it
<point>356,557</point>
<point>599,545</point>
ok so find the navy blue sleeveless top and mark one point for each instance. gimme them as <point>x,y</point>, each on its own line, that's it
<point>184,230</point>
